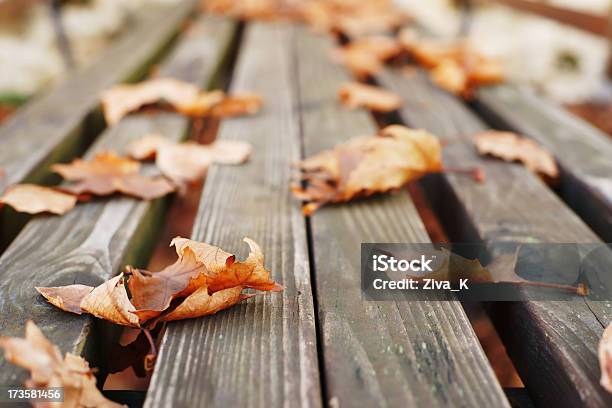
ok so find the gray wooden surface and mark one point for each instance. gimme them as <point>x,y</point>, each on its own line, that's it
<point>553,344</point>
<point>63,122</point>
<point>584,151</point>
<point>262,352</point>
<point>91,243</point>
<point>402,353</point>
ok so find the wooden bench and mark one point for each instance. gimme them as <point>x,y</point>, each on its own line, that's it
<point>319,342</point>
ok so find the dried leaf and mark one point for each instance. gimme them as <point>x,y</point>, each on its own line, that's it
<point>510,147</point>
<point>202,303</point>
<point>123,99</point>
<point>605,358</point>
<point>451,76</point>
<point>367,165</point>
<point>109,301</point>
<point>366,56</point>
<point>153,292</point>
<point>44,361</point>
<point>235,105</point>
<point>202,104</point>
<point>222,270</point>
<point>33,199</point>
<point>356,95</point>
<point>188,162</point>
<point>67,298</point>
<point>108,173</point>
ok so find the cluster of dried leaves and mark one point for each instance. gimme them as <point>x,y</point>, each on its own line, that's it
<point>43,359</point>
<point>366,165</point>
<point>108,173</point>
<point>204,280</point>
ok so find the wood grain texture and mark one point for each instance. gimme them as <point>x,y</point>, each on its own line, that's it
<point>553,344</point>
<point>262,352</point>
<point>402,353</point>
<point>583,151</point>
<point>89,244</point>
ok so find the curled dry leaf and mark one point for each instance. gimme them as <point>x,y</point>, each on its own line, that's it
<point>37,354</point>
<point>510,147</point>
<point>182,96</point>
<point>123,99</point>
<point>356,95</point>
<point>108,173</point>
<point>454,66</point>
<point>366,56</point>
<point>33,199</point>
<point>605,358</point>
<point>188,162</point>
<point>204,280</point>
<point>367,165</point>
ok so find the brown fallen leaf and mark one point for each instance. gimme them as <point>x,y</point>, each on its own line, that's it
<point>188,162</point>
<point>204,280</point>
<point>368,165</point>
<point>605,358</point>
<point>222,270</point>
<point>33,199</point>
<point>120,100</point>
<point>510,147</point>
<point>108,173</point>
<point>356,95</point>
<point>235,105</point>
<point>47,369</point>
<point>366,56</point>
<point>449,75</point>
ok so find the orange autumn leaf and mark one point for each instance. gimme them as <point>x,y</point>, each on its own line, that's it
<point>356,95</point>
<point>189,161</point>
<point>509,146</point>
<point>120,100</point>
<point>222,269</point>
<point>368,165</point>
<point>239,104</point>
<point>33,199</point>
<point>43,359</point>
<point>366,56</point>
<point>108,173</point>
<point>605,358</point>
<point>204,280</point>
<point>449,75</point>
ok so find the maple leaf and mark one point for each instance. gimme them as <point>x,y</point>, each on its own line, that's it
<point>367,165</point>
<point>356,95</point>
<point>222,270</point>
<point>108,173</point>
<point>33,199</point>
<point>204,280</point>
<point>510,147</point>
<point>47,369</point>
<point>188,162</point>
<point>605,358</point>
<point>120,100</point>
<point>184,97</point>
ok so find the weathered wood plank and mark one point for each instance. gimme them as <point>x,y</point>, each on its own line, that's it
<point>583,151</point>
<point>403,353</point>
<point>90,244</point>
<point>62,123</point>
<point>553,344</point>
<point>260,353</point>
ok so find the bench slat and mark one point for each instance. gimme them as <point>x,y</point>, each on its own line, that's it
<point>583,151</point>
<point>553,344</point>
<point>62,123</point>
<point>404,353</point>
<point>261,352</point>
<point>90,243</point>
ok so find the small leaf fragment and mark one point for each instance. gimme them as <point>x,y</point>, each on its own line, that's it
<point>356,95</point>
<point>33,199</point>
<point>67,298</point>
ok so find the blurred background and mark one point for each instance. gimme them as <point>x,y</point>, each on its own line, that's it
<point>559,47</point>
